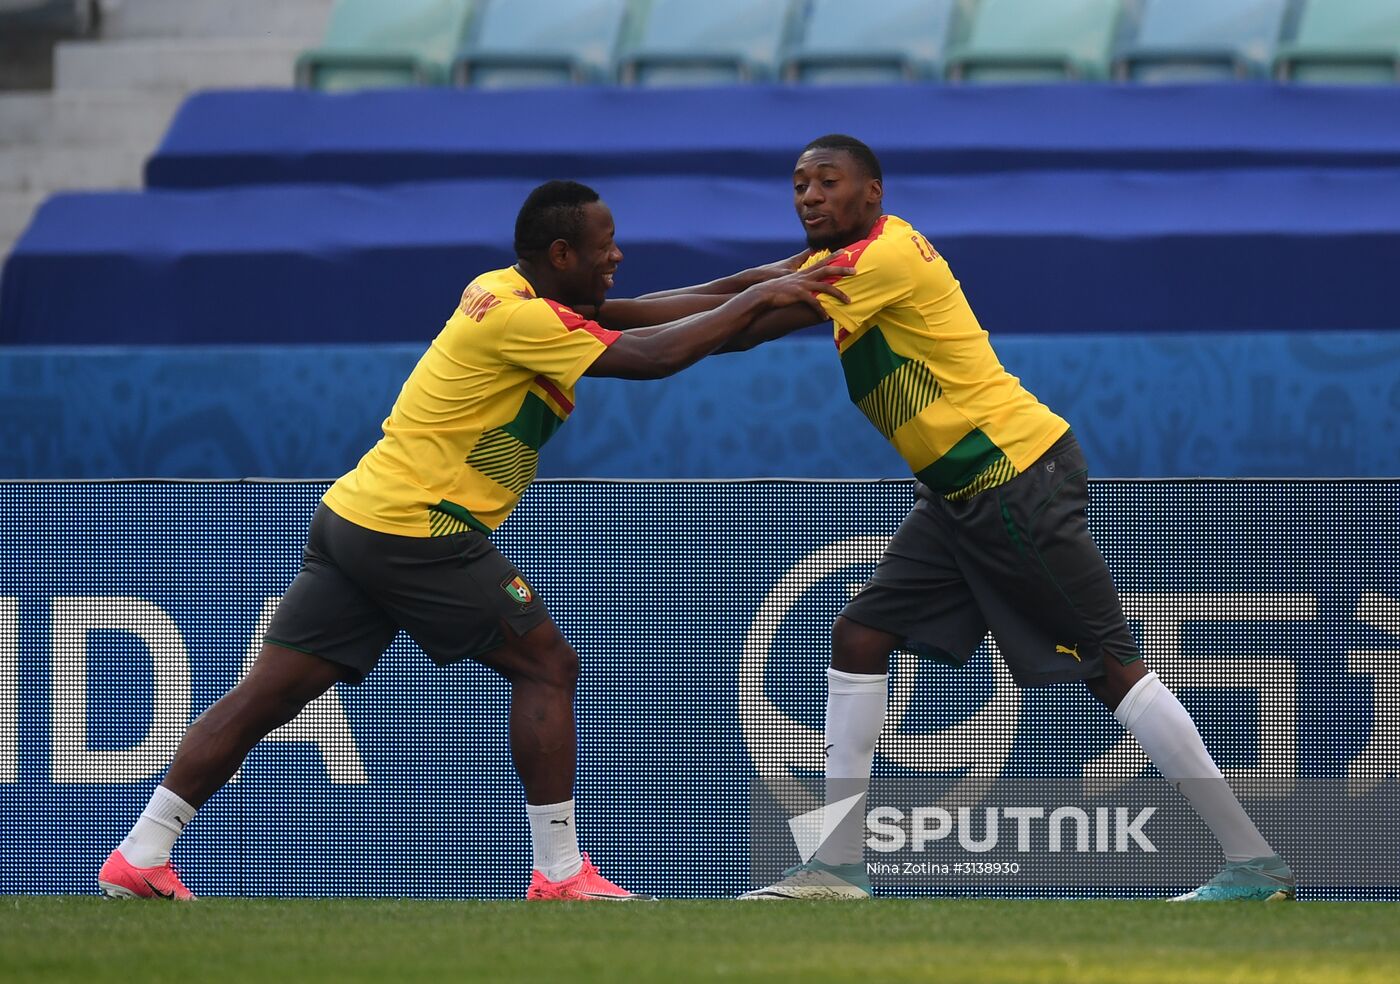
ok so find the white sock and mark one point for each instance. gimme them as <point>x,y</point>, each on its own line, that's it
<point>150,841</point>
<point>554,839</point>
<point>855,713</point>
<point>1169,737</point>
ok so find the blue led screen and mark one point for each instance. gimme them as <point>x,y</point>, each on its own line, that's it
<point>701,611</point>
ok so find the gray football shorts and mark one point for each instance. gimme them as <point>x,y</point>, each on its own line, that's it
<point>357,588</point>
<point>1016,559</point>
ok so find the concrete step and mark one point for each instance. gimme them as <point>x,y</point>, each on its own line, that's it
<point>129,117</point>
<point>175,65</point>
<point>48,168</point>
<point>290,20</point>
<point>83,116</point>
<point>24,116</point>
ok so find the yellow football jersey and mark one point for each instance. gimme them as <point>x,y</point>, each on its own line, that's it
<point>922,370</point>
<point>462,441</point>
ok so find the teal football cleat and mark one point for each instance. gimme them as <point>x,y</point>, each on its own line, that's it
<point>1256,880</point>
<point>819,881</point>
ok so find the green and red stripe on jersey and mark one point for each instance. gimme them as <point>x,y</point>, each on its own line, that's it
<point>509,455</point>
<point>889,388</point>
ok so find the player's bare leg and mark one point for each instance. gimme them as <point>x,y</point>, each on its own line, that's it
<point>857,691</point>
<point>1145,707</point>
<point>1118,678</point>
<point>281,682</point>
<point>543,672</point>
<point>859,649</point>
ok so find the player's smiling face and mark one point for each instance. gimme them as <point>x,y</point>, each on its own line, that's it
<point>596,257</point>
<point>837,202</point>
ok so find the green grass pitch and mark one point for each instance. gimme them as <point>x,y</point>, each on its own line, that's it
<point>273,941</point>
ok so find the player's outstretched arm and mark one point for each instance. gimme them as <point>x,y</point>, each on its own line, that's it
<point>736,282</point>
<point>631,313</point>
<point>771,325</point>
<point>663,307</point>
<point>651,353</point>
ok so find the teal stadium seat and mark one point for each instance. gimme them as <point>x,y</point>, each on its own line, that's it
<point>1202,41</point>
<point>1355,41</point>
<point>874,41</point>
<point>386,43</point>
<point>1036,41</point>
<point>543,42</point>
<point>706,42</point>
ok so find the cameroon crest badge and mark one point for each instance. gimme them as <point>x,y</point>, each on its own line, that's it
<point>519,590</point>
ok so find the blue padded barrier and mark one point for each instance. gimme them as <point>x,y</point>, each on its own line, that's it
<point>1325,404</point>
<point>276,137</point>
<point>1284,250</point>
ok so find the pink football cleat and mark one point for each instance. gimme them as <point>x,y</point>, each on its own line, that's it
<point>120,879</point>
<point>586,886</point>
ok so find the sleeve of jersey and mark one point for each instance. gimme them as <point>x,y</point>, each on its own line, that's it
<point>553,341</point>
<point>880,280</point>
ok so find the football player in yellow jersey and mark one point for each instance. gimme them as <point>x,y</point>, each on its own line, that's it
<point>998,538</point>
<point>401,541</point>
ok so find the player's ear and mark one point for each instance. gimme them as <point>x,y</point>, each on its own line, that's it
<point>875,193</point>
<point>559,251</point>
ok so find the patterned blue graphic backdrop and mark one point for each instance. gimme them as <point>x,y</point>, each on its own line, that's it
<point>701,612</point>
<point>1325,404</point>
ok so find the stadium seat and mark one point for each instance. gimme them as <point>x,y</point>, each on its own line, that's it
<point>1343,41</point>
<point>871,42</point>
<point>552,42</point>
<point>1036,41</point>
<point>371,44</point>
<point>684,42</point>
<point>1202,40</point>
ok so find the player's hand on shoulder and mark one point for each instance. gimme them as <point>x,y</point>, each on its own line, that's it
<point>776,269</point>
<point>805,286</point>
